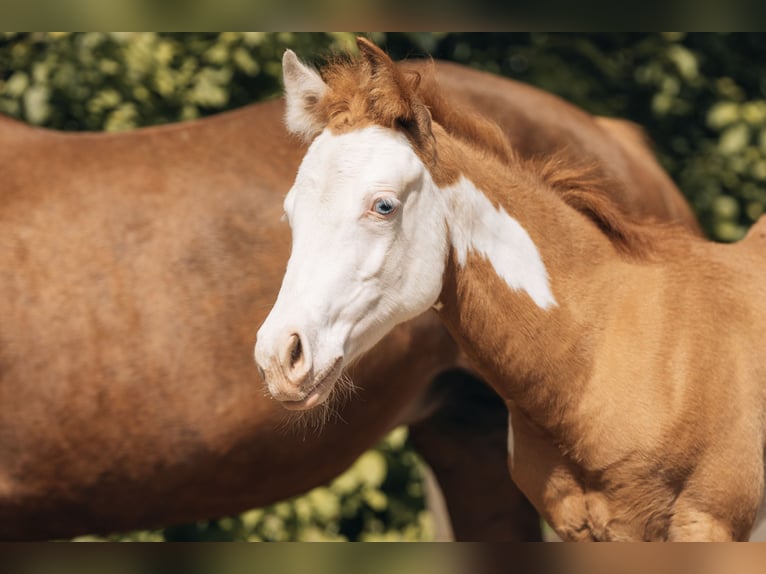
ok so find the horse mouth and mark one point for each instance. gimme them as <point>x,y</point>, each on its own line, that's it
<point>319,391</point>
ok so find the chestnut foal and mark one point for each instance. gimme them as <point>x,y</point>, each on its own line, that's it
<point>601,334</point>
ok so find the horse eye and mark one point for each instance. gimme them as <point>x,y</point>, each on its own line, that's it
<point>384,206</point>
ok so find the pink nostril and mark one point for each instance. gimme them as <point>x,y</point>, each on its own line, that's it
<point>296,351</point>
<point>295,360</point>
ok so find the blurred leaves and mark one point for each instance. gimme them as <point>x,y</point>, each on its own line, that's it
<point>118,81</point>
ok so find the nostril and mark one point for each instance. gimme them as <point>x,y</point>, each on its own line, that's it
<point>261,373</point>
<point>296,350</point>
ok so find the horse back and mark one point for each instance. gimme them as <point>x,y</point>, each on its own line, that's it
<point>654,184</point>
<point>755,246</point>
<point>9,125</point>
<point>756,236</point>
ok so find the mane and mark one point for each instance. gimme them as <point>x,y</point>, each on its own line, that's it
<point>587,189</point>
<point>359,96</point>
<point>584,186</point>
<point>461,123</point>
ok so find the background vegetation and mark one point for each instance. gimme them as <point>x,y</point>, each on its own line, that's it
<point>701,97</point>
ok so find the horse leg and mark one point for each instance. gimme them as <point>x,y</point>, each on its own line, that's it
<point>548,480</point>
<point>464,442</point>
<point>720,500</point>
<point>692,525</point>
<point>437,507</point>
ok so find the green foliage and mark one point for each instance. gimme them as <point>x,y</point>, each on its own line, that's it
<point>117,81</point>
<point>701,97</point>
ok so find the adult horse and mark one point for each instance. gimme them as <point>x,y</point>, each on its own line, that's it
<point>134,268</point>
<point>635,414</point>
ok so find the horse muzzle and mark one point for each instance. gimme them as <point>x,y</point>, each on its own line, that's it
<point>291,375</point>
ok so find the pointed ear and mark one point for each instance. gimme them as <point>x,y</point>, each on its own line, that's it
<point>304,88</point>
<point>376,57</point>
<point>388,84</point>
<point>395,94</point>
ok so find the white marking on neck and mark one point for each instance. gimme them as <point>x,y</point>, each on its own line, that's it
<point>489,231</point>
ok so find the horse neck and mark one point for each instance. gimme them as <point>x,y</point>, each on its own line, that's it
<point>533,342</point>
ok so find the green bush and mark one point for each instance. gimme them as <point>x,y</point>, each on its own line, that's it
<point>118,81</point>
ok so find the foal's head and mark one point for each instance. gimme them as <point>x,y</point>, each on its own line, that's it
<point>369,234</point>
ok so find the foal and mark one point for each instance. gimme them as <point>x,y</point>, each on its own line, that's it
<point>601,335</point>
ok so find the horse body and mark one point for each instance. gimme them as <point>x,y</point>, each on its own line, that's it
<point>134,269</point>
<point>600,333</point>
<point>636,414</point>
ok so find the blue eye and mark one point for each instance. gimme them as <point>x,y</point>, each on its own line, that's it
<point>384,206</point>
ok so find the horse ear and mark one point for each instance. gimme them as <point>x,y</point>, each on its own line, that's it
<point>376,57</point>
<point>389,89</point>
<point>396,92</point>
<point>304,88</point>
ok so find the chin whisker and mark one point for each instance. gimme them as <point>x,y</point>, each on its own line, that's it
<point>345,389</point>
<point>314,420</point>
